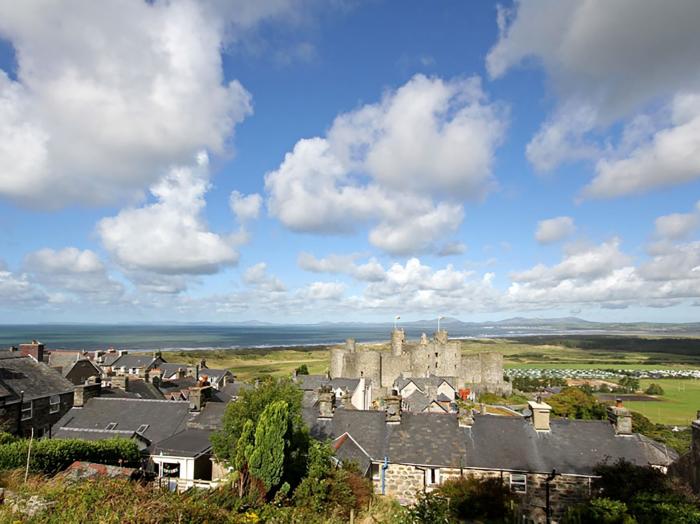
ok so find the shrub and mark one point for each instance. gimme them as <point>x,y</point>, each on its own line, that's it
<point>576,403</point>
<point>54,455</point>
<point>602,510</point>
<point>654,389</point>
<point>430,508</point>
<point>623,480</point>
<point>473,499</point>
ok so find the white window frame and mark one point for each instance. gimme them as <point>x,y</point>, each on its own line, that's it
<point>111,426</point>
<point>518,482</point>
<point>432,476</point>
<point>142,429</point>
<point>54,403</point>
<point>30,409</point>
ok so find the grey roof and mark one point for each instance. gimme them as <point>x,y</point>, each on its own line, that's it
<point>63,359</point>
<point>493,442</point>
<point>163,417</point>
<point>36,379</point>
<point>187,443</point>
<point>423,382</point>
<point>347,450</point>
<point>213,373</point>
<point>571,446</point>
<point>170,368</point>
<point>134,361</point>
<point>143,389</point>
<point>210,417</point>
<point>82,362</point>
<point>231,391</point>
<point>416,401</point>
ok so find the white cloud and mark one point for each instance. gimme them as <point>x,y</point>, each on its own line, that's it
<point>259,277</point>
<point>17,291</point>
<point>607,61</point>
<point>107,97</point>
<point>71,270</point>
<point>170,235</point>
<point>678,225</point>
<point>670,156</point>
<point>385,163</point>
<point>245,207</point>
<point>554,229</point>
<point>324,290</point>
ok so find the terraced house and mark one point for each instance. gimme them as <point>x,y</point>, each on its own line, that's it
<point>405,453</point>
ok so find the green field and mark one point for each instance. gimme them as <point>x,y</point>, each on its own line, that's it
<point>679,404</point>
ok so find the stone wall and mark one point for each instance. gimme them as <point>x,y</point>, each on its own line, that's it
<point>42,417</point>
<point>392,367</point>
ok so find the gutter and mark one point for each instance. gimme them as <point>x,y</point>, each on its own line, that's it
<point>385,466</point>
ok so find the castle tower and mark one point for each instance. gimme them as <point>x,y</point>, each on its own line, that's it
<point>337,362</point>
<point>441,336</point>
<point>397,340</point>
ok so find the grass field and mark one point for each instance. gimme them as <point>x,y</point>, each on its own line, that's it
<point>680,401</point>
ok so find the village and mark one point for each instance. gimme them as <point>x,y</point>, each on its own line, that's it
<point>409,420</point>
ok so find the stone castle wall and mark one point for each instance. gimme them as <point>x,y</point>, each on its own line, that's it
<point>482,371</point>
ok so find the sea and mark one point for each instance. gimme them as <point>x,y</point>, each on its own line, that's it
<point>192,337</point>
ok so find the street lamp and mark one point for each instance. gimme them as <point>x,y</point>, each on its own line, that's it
<point>439,319</point>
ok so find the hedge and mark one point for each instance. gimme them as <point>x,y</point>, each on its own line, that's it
<point>53,455</point>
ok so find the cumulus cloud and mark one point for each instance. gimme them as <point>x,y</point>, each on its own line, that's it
<point>386,164</point>
<point>324,290</point>
<point>607,61</point>
<point>259,277</point>
<point>170,235</point>
<point>71,270</point>
<point>554,229</point>
<point>452,248</point>
<point>678,225</point>
<point>245,207</point>
<point>17,291</point>
<point>107,97</point>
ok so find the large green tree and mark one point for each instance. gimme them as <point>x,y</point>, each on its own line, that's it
<point>266,460</point>
<point>576,403</point>
<point>249,408</point>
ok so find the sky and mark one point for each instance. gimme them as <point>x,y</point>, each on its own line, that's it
<point>302,161</point>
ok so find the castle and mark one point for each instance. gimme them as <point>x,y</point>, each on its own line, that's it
<point>437,357</point>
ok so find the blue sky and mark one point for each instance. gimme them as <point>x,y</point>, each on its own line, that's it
<point>301,161</point>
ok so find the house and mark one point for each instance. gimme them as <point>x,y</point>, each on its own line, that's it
<point>32,395</point>
<point>405,453</point>
<point>184,460</point>
<point>687,467</point>
<point>218,378</point>
<point>358,391</point>
<point>126,364</point>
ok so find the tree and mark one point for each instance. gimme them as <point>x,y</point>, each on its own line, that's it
<point>472,499</point>
<point>654,389</point>
<point>576,403</point>
<point>266,461</point>
<point>302,370</point>
<point>629,384</point>
<point>249,407</point>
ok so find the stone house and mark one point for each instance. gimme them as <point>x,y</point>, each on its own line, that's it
<point>406,453</point>
<point>126,364</point>
<point>217,378</point>
<point>32,395</point>
<point>427,394</point>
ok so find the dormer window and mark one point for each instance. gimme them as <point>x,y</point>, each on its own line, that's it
<point>142,429</point>
<point>111,426</point>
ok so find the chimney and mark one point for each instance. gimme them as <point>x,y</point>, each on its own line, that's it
<point>181,373</point>
<point>465,417</point>
<point>147,376</point>
<point>540,414</point>
<point>120,382</point>
<point>198,397</point>
<point>326,401</point>
<point>397,339</point>
<point>121,352</point>
<point>35,350</point>
<point>81,394</point>
<point>350,345</point>
<point>202,364</point>
<point>393,408</point>
<point>620,417</point>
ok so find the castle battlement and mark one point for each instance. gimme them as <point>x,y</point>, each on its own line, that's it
<point>437,356</point>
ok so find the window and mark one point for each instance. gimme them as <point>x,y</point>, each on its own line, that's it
<point>55,404</point>
<point>27,410</point>
<point>111,426</point>
<point>432,476</point>
<point>375,471</point>
<point>142,429</point>
<point>518,482</point>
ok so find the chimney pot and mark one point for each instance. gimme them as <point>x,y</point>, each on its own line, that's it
<point>618,402</point>
<point>621,418</point>
<point>393,408</point>
<point>326,402</point>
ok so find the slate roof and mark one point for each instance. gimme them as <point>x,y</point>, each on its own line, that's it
<point>169,368</point>
<point>36,379</point>
<point>142,389</point>
<point>187,443</point>
<point>492,443</point>
<point>347,450</point>
<point>134,361</point>
<point>163,417</point>
<point>422,382</point>
<point>210,417</point>
<point>416,401</point>
<point>63,359</point>
<point>231,390</point>
<point>68,368</point>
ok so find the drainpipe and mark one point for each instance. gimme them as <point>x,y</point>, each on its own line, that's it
<point>385,466</point>
<point>548,506</point>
